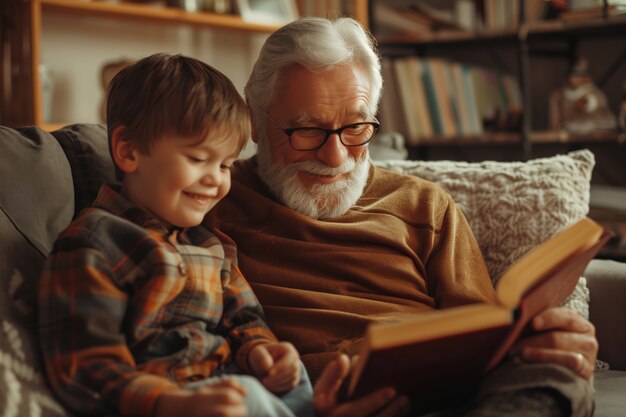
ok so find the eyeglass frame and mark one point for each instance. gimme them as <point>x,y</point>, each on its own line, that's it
<point>288,131</point>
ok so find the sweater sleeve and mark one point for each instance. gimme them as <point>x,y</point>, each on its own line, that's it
<point>456,270</point>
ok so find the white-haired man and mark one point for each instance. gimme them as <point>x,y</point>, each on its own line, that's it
<point>330,243</point>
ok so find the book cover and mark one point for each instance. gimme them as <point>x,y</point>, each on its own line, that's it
<point>438,73</point>
<point>468,83</point>
<point>391,113</point>
<point>421,104</point>
<point>431,98</point>
<point>407,98</point>
<point>441,355</point>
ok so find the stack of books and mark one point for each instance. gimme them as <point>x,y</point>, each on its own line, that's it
<point>435,98</point>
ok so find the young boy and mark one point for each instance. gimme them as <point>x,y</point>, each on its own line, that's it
<point>141,312</point>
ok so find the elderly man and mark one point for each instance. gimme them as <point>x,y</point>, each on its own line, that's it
<point>330,243</point>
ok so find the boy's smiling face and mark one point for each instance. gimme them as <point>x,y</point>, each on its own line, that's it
<point>180,179</point>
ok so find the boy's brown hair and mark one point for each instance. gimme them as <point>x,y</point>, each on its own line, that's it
<point>174,94</point>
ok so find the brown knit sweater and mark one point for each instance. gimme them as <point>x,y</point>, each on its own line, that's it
<point>402,249</point>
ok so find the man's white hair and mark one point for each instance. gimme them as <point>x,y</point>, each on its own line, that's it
<point>319,45</point>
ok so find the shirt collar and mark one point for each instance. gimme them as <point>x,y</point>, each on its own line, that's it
<point>110,198</point>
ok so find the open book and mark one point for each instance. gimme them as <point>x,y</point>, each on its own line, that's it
<point>441,355</point>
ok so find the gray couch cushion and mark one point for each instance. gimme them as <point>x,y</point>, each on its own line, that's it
<point>36,201</point>
<point>36,185</point>
<point>610,387</point>
<point>607,285</point>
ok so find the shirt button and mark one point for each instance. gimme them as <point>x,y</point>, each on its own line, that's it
<point>182,268</point>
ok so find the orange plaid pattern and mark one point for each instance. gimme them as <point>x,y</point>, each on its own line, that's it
<point>129,309</point>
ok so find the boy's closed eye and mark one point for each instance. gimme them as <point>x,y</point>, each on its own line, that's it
<point>197,158</point>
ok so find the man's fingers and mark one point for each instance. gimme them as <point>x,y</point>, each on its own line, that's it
<point>562,318</point>
<point>364,407</point>
<point>399,407</point>
<point>577,362</point>
<point>333,375</point>
<point>568,342</point>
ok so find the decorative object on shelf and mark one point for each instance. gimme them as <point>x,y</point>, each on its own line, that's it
<point>109,70</point>
<point>580,106</point>
<point>47,89</point>
<point>267,11</point>
<point>191,6</point>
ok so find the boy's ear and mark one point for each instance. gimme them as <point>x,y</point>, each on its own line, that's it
<point>123,151</point>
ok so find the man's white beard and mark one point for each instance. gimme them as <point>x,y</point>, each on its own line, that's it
<point>318,201</point>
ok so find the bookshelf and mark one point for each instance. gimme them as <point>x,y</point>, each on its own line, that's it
<point>35,28</point>
<point>558,39</point>
<point>30,17</point>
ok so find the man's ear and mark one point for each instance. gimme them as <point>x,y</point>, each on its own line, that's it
<point>253,133</point>
<point>123,151</point>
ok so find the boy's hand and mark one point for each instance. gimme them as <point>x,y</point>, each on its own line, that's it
<point>224,398</point>
<point>277,365</point>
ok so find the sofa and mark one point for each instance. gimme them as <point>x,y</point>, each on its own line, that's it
<point>46,178</point>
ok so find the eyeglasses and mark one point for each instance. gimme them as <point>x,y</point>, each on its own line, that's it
<point>312,138</point>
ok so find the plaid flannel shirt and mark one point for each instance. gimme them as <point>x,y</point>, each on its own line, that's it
<point>129,309</point>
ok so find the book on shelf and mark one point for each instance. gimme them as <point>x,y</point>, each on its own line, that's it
<point>431,98</point>
<point>421,111</point>
<point>462,100</point>
<point>441,355</point>
<point>407,98</point>
<point>391,110</point>
<point>437,69</point>
<point>393,20</point>
<point>434,97</point>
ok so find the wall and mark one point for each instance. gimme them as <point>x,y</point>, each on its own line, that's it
<point>76,48</point>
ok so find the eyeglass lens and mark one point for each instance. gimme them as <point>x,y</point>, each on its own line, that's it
<point>308,138</point>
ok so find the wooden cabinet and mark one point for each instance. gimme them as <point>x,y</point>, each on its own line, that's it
<point>53,50</point>
<point>73,32</point>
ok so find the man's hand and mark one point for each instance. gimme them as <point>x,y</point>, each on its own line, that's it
<point>225,398</point>
<point>277,365</point>
<point>381,403</point>
<point>562,337</point>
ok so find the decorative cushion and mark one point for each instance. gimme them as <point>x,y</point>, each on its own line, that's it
<point>87,149</point>
<point>36,201</point>
<point>35,185</point>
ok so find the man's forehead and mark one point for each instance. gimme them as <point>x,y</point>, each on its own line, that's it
<point>355,113</point>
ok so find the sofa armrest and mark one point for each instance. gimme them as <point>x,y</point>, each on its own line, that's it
<point>606,280</point>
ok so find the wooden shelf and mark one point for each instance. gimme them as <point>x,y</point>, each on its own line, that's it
<point>546,28</point>
<point>447,36</point>
<point>152,13</point>
<point>134,12</point>
<point>561,136</point>
<point>536,137</point>
<point>610,25</point>
<point>485,139</point>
